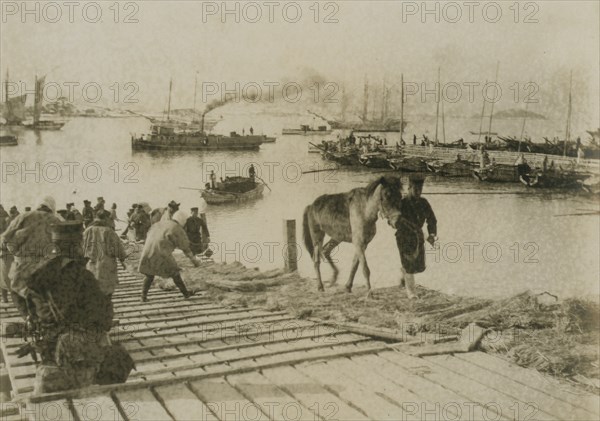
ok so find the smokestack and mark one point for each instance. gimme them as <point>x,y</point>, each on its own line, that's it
<point>202,123</point>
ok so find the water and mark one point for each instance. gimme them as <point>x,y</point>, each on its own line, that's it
<point>538,249</point>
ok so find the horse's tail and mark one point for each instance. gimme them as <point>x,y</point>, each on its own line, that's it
<point>308,243</point>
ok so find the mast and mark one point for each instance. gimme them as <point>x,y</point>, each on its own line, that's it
<point>365,100</point>
<point>195,91</point>
<point>37,103</point>
<point>523,126</point>
<point>344,103</point>
<point>481,119</point>
<point>437,108</point>
<point>443,124</point>
<point>169,104</point>
<point>568,129</point>
<point>6,88</point>
<point>492,109</point>
<point>383,100</point>
<point>401,105</point>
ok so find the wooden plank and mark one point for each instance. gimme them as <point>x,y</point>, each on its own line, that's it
<point>183,404</point>
<point>101,408</point>
<point>225,402</point>
<point>537,403</point>
<point>494,402</point>
<point>347,389</point>
<point>431,396</point>
<point>535,380</point>
<point>312,395</point>
<point>56,410</point>
<point>372,379</point>
<point>143,404</point>
<point>273,401</point>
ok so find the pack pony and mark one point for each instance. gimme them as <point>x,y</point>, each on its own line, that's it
<point>350,217</point>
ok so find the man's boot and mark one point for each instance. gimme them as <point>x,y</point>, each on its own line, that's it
<point>146,287</point>
<point>181,285</point>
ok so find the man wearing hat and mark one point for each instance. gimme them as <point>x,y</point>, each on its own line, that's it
<point>140,221</point>
<point>196,229</point>
<point>100,205</point>
<point>157,256</point>
<point>28,239</point>
<point>409,235</point>
<point>102,246</point>
<point>87,213</point>
<point>172,207</point>
<point>69,315</point>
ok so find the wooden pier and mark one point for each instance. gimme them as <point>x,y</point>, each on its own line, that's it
<point>197,360</point>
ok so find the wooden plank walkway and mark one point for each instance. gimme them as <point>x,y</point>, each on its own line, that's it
<point>197,360</point>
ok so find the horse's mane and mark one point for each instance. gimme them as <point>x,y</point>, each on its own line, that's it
<point>387,181</point>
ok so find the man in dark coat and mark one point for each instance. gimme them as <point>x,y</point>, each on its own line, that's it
<point>87,213</point>
<point>409,235</point>
<point>196,228</point>
<point>140,222</point>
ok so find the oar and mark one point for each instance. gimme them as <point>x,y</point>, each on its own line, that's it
<point>191,188</point>
<point>263,181</point>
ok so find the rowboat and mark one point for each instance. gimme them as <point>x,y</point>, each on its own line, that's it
<point>459,168</point>
<point>553,179</point>
<point>8,140</point>
<point>374,160</point>
<point>591,185</point>
<point>235,189</point>
<point>501,173</point>
<point>413,164</point>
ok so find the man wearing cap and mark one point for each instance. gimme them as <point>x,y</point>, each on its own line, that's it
<point>69,315</point>
<point>100,205</point>
<point>140,222</point>
<point>409,235</point>
<point>172,207</point>
<point>87,213</point>
<point>28,238</point>
<point>102,246</point>
<point>157,256</point>
<point>196,228</point>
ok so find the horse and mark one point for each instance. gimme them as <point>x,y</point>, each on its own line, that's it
<point>350,217</point>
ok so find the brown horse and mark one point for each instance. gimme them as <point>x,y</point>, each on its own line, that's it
<point>350,217</point>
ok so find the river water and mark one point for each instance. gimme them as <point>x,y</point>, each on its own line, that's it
<point>491,245</point>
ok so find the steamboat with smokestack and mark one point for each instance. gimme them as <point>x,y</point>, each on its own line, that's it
<point>175,135</point>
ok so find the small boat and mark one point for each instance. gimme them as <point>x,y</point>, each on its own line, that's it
<point>269,139</point>
<point>233,189</point>
<point>412,164</point>
<point>501,173</point>
<point>591,185</point>
<point>45,125</point>
<point>459,168</point>
<point>374,159</point>
<point>553,179</point>
<point>483,133</point>
<point>306,129</point>
<point>346,158</point>
<point>9,140</point>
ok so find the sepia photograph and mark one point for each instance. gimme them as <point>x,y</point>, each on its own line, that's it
<point>344,210</point>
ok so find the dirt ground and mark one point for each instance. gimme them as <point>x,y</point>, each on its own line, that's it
<point>554,336</point>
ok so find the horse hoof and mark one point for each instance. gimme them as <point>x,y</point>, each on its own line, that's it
<point>348,289</point>
<point>320,289</point>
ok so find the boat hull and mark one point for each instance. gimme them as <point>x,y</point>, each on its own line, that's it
<point>500,173</point>
<point>9,141</point>
<point>197,142</point>
<point>303,132</point>
<point>219,197</point>
<point>452,169</point>
<point>408,165</point>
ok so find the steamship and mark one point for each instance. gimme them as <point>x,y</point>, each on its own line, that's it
<point>170,135</point>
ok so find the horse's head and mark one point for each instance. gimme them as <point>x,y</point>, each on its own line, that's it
<point>390,196</point>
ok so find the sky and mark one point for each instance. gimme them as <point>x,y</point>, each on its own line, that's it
<point>154,41</point>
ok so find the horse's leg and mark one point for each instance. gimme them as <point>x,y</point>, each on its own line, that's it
<point>318,247</point>
<point>327,249</point>
<point>353,270</point>
<point>365,267</point>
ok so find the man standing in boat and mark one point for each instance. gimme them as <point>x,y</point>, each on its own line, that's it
<point>409,235</point>
<point>252,172</point>
<point>213,179</point>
